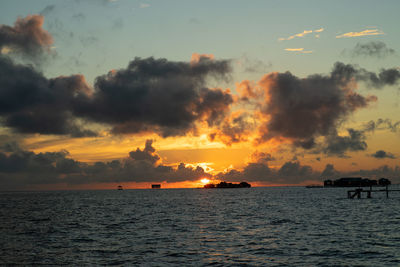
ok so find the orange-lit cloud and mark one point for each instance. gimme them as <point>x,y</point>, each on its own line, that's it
<point>197,57</point>
<point>234,129</point>
<point>294,49</point>
<point>362,33</point>
<point>248,90</point>
<point>302,34</point>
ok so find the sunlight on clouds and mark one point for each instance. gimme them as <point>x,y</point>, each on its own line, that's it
<point>196,57</point>
<point>294,49</point>
<point>301,50</point>
<point>205,165</point>
<point>302,34</point>
<point>362,33</point>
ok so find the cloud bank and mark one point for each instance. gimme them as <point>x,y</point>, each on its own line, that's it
<point>20,169</point>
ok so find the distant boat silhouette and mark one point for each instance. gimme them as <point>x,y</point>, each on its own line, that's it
<point>155,186</point>
<point>120,187</point>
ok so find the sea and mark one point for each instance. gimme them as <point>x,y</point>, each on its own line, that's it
<point>270,226</point>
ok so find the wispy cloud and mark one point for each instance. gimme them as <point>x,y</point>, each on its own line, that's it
<point>301,50</point>
<point>294,49</point>
<point>362,33</point>
<point>302,34</point>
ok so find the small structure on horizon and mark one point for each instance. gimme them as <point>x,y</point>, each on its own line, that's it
<point>119,187</point>
<point>155,186</point>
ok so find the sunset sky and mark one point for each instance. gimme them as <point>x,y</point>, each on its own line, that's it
<point>94,94</point>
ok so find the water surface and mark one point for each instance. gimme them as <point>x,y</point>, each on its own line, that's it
<point>290,226</point>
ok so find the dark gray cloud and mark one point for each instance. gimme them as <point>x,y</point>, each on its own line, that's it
<point>289,173</point>
<point>154,95</point>
<point>302,109</point>
<point>293,172</point>
<point>148,153</point>
<point>339,145</point>
<point>31,103</point>
<point>382,124</point>
<point>251,65</point>
<point>329,172</point>
<point>20,169</point>
<point>26,37</point>
<point>381,154</point>
<point>376,49</point>
<point>393,173</point>
<point>158,95</point>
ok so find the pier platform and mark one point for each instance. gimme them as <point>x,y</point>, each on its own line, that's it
<point>368,192</point>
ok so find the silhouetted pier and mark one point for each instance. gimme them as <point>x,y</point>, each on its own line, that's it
<point>368,192</point>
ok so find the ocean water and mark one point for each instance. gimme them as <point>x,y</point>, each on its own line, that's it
<point>289,226</point>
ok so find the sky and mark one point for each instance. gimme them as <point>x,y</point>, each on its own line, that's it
<point>95,94</point>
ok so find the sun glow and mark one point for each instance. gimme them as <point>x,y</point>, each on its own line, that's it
<point>205,181</point>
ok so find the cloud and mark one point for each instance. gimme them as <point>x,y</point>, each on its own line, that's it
<point>47,10</point>
<point>21,169</point>
<point>154,95</point>
<point>376,49</point>
<point>246,64</point>
<point>362,33</point>
<point>31,103</point>
<point>382,124</point>
<point>158,95</point>
<point>381,154</point>
<point>148,153</point>
<point>294,49</point>
<point>300,109</point>
<point>302,34</point>
<point>27,37</point>
<point>329,172</point>
<point>301,50</point>
<point>234,129</point>
<point>197,57</point>
<point>291,172</point>
<point>339,145</point>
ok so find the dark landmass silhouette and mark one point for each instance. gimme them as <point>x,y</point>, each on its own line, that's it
<point>228,185</point>
<point>356,181</point>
